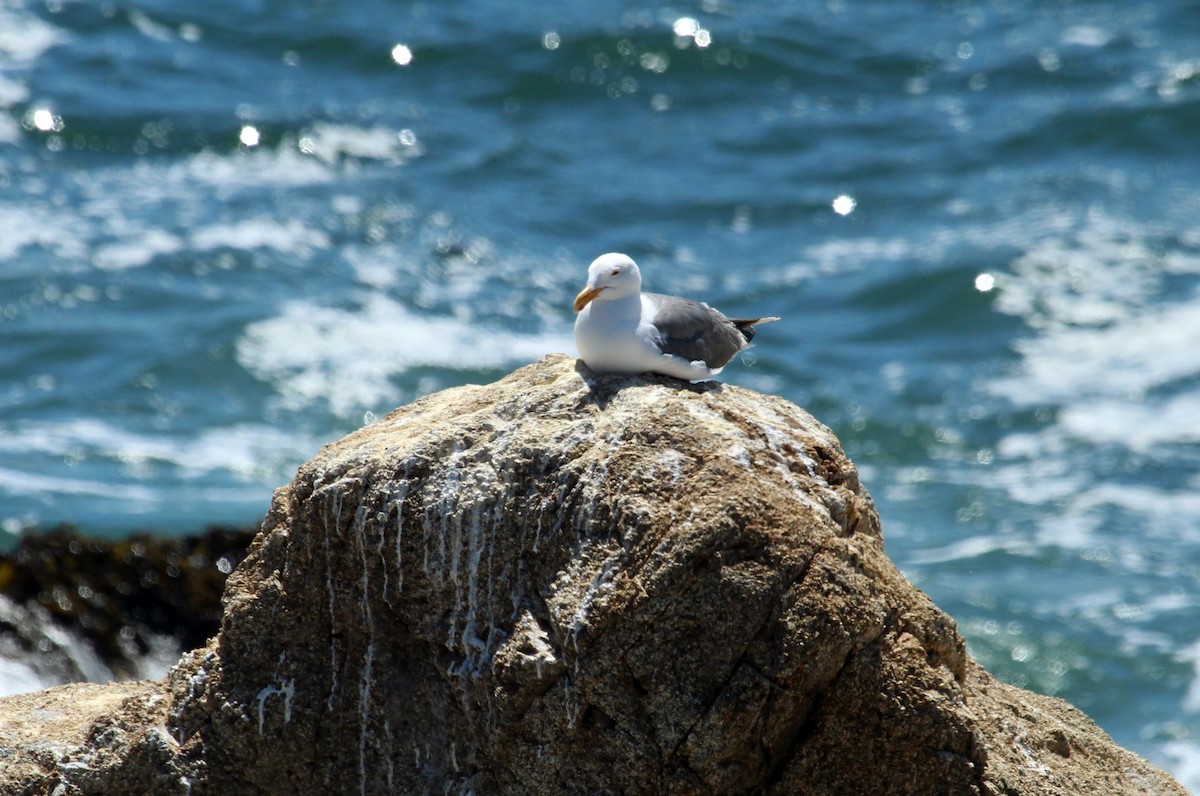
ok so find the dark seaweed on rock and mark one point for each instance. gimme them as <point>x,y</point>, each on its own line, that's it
<point>119,597</point>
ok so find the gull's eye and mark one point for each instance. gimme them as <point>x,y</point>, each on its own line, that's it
<point>615,272</point>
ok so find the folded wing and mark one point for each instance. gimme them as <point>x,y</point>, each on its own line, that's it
<point>695,331</point>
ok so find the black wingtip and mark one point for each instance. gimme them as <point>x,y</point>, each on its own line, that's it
<point>746,325</point>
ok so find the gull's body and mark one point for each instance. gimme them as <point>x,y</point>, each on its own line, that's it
<point>620,329</point>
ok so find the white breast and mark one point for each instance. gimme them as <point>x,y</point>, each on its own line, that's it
<point>607,336</point>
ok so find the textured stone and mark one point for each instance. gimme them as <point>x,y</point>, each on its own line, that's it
<point>563,583</point>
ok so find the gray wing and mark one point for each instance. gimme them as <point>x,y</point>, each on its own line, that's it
<point>695,331</point>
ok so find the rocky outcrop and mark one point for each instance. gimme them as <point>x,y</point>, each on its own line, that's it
<point>561,583</point>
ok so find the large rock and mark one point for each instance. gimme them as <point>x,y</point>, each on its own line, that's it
<point>560,583</point>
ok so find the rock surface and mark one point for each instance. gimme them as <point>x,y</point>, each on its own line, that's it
<point>561,583</point>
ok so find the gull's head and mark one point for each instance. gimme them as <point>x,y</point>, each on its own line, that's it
<point>610,276</point>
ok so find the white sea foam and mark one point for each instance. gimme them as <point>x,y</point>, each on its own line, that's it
<point>1128,356</point>
<point>1184,754</point>
<point>10,131</point>
<point>18,677</point>
<point>1191,655</point>
<point>332,143</point>
<point>149,28</point>
<point>1108,360</point>
<point>120,199</point>
<point>20,482</point>
<point>1093,292</point>
<point>1087,36</point>
<point>375,267</point>
<point>346,358</point>
<point>24,37</point>
<point>282,166</point>
<point>291,237</point>
<point>1183,758</point>
<point>1109,352</point>
<point>73,657</point>
<point>136,250</point>
<point>245,450</point>
<point>966,549</point>
<point>58,232</point>
<point>109,221</point>
<point>1140,426</point>
<point>841,256</point>
<point>12,92</point>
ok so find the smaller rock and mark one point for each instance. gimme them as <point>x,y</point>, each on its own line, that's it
<point>77,608</point>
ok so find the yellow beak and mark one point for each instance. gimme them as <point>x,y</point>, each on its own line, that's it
<point>586,295</point>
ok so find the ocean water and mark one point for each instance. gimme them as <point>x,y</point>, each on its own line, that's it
<point>233,231</point>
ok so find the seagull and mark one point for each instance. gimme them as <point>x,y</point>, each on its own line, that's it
<point>620,329</point>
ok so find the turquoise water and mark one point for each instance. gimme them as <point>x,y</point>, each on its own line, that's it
<point>232,232</point>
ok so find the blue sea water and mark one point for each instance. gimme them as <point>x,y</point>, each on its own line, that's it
<point>233,231</point>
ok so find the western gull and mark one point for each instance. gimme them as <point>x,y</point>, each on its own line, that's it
<point>620,329</point>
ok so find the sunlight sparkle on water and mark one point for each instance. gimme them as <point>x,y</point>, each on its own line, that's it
<point>686,28</point>
<point>844,205</point>
<point>985,283</point>
<point>402,55</point>
<point>44,119</point>
<point>249,136</point>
